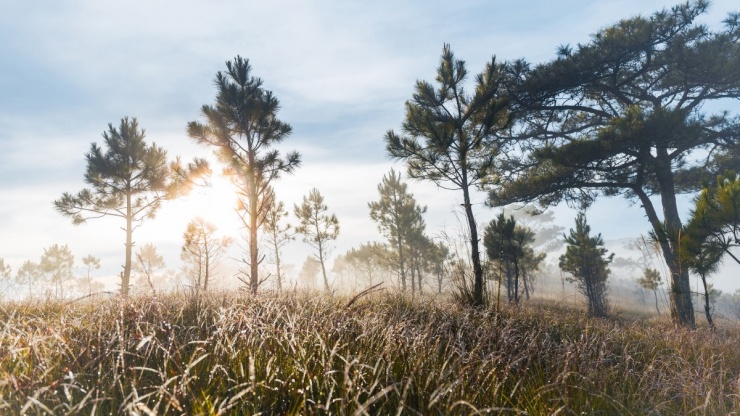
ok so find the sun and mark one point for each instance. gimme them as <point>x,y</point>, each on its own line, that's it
<point>216,203</point>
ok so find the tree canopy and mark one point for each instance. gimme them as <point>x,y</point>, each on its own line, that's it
<point>624,115</point>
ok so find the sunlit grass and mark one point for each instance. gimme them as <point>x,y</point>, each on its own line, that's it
<point>303,354</point>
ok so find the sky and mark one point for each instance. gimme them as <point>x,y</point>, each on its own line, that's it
<point>341,70</point>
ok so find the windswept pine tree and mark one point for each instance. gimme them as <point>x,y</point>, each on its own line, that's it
<point>628,114</point>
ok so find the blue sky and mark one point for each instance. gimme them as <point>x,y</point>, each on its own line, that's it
<point>342,71</point>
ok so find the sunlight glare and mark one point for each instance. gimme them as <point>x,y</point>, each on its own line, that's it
<point>216,204</point>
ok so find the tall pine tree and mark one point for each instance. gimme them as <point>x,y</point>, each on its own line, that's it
<point>243,127</point>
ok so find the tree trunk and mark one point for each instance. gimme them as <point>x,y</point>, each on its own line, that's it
<point>418,278</point>
<point>323,267</point>
<point>253,248</point>
<point>707,306</point>
<point>126,277</point>
<point>401,260</point>
<point>277,265</point>
<point>682,310</point>
<point>516,282</point>
<point>207,273</point>
<point>655,292</point>
<point>475,253</point>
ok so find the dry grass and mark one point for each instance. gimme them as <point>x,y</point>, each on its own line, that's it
<point>304,354</point>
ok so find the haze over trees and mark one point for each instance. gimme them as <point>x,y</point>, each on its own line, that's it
<point>277,235</point>
<point>626,114</point>
<point>318,228</point>
<point>651,280</point>
<point>28,275</point>
<point>450,137</point>
<point>128,179</point>
<point>147,265</point>
<point>201,251</point>
<point>399,219</point>
<point>5,273</point>
<point>243,127</point>
<point>58,264</point>
<point>87,283</point>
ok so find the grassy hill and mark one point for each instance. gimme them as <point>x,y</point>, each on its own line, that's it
<point>299,353</point>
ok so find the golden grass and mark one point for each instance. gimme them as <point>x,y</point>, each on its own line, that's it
<point>386,354</point>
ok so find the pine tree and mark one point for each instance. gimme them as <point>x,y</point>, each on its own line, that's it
<point>586,260</point>
<point>243,127</point>
<point>91,263</point>
<point>628,113</point>
<point>28,275</point>
<point>277,235</point>
<point>509,243</point>
<point>399,218</point>
<point>318,228</point>
<point>58,263</point>
<point>651,281</point>
<point>450,138</point>
<point>148,263</point>
<point>128,179</point>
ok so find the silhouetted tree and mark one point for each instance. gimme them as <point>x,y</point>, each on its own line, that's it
<point>58,263</point>
<point>243,127</point>
<point>129,179</point>
<point>625,114</point>
<point>586,260</point>
<point>529,264</point>
<point>507,242</point>
<point>440,267</point>
<point>701,258</point>
<point>318,228</point>
<point>449,137</point>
